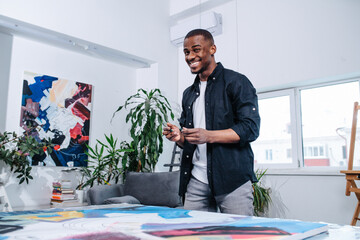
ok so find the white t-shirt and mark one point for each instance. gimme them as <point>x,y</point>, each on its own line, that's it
<point>200,159</point>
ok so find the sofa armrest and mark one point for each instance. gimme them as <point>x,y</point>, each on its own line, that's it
<point>98,194</point>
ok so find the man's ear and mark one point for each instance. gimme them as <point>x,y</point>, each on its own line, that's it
<point>212,50</point>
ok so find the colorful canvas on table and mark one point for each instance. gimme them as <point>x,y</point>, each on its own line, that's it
<point>59,110</point>
<point>148,222</point>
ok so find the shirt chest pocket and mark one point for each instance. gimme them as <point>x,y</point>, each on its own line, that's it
<point>223,116</point>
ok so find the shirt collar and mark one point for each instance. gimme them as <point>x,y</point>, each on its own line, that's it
<point>213,76</point>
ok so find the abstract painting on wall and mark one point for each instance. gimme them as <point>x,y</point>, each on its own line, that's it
<point>57,109</point>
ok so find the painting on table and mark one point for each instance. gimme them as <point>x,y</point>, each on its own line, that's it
<point>60,110</point>
<point>125,221</point>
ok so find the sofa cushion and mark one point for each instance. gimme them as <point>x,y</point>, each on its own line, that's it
<point>97,194</point>
<point>158,188</point>
<point>123,199</point>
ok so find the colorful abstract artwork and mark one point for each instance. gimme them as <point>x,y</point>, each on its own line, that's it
<point>124,221</point>
<point>60,110</point>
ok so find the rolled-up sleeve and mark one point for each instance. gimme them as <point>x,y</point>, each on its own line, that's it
<point>246,111</point>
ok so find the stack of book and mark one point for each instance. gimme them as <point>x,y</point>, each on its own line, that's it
<point>62,193</point>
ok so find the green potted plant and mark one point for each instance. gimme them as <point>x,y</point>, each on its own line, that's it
<point>148,111</point>
<point>104,164</point>
<point>85,174</point>
<point>129,160</point>
<point>15,151</point>
<point>262,197</point>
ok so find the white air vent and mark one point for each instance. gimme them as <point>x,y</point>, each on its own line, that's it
<point>210,21</point>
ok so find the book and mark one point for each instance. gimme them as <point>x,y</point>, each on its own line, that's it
<point>63,196</point>
<point>63,203</point>
<point>62,191</point>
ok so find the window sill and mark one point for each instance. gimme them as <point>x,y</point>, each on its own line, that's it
<point>309,171</point>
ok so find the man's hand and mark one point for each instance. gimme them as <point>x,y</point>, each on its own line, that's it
<point>173,133</point>
<point>196,135</point>
<point>200,135</point>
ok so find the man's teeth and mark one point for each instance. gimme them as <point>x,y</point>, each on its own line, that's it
<point>194,64</point>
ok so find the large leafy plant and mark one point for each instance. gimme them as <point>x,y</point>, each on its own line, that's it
<point>148,111</point>
<point>262,197</point>
<point>16,151</point>
<point>104,163</point>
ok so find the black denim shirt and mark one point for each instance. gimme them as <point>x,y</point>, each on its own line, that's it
<point>230,102</point>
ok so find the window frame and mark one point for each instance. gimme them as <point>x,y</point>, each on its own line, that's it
<point>293,130</point>
<point>297,164</point>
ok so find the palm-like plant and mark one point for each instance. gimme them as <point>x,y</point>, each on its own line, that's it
<point>104,163</point>
<point>262,197</point>
<point>148,111</point>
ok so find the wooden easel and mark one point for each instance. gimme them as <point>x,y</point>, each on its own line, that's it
<point>350,174</point>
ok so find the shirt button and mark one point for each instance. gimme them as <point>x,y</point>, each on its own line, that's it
<point>187,156</point>
<point>197,93</point>
<point>189,124</point>
<point>189,107</point>
<point>185,173</point>
<point>213,78</point>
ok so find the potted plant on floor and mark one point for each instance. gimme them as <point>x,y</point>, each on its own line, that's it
<point>148,111</point>
<point>262,197</point>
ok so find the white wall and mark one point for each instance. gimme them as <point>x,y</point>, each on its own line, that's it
<point>136,27</point>
<point>112,83</point>
<point>5,49</point>
<point>286,43</point>
<point>317,197</point>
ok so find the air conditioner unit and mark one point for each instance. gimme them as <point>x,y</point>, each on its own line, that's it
<point>210,21</point>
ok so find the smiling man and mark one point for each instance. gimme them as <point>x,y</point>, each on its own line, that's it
<point>219,120</point>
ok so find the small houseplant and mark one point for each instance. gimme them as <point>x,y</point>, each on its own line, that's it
<point>104,165</point>
<point>15,151</point>
<point>149,110</point>
<point>262,197</point>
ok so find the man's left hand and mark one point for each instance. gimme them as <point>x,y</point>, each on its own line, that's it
<point>196,135</point>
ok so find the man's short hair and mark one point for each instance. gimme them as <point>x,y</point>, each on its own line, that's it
<point>206,34</point>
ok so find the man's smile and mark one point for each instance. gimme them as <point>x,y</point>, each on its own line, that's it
<point>194,64</point>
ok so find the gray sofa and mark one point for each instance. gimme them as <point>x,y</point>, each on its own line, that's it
<point>157,189</point>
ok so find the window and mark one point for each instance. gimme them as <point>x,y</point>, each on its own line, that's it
<point>277,129</point>
<point>307,127</point>
<point>288,153</point>
<point>326,110</point>
<point>344,152</point>
<point>268,153</point>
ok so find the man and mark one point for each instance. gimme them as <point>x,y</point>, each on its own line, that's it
<point>219,120</point>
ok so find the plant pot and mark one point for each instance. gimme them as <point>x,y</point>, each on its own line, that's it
<point>80,195</point>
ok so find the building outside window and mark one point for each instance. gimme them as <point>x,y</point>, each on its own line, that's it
<point>268,153</point>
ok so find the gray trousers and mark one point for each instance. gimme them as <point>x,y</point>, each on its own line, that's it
<point>199,197</point>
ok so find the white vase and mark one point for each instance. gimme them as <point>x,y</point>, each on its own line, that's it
<point>80,195</point>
